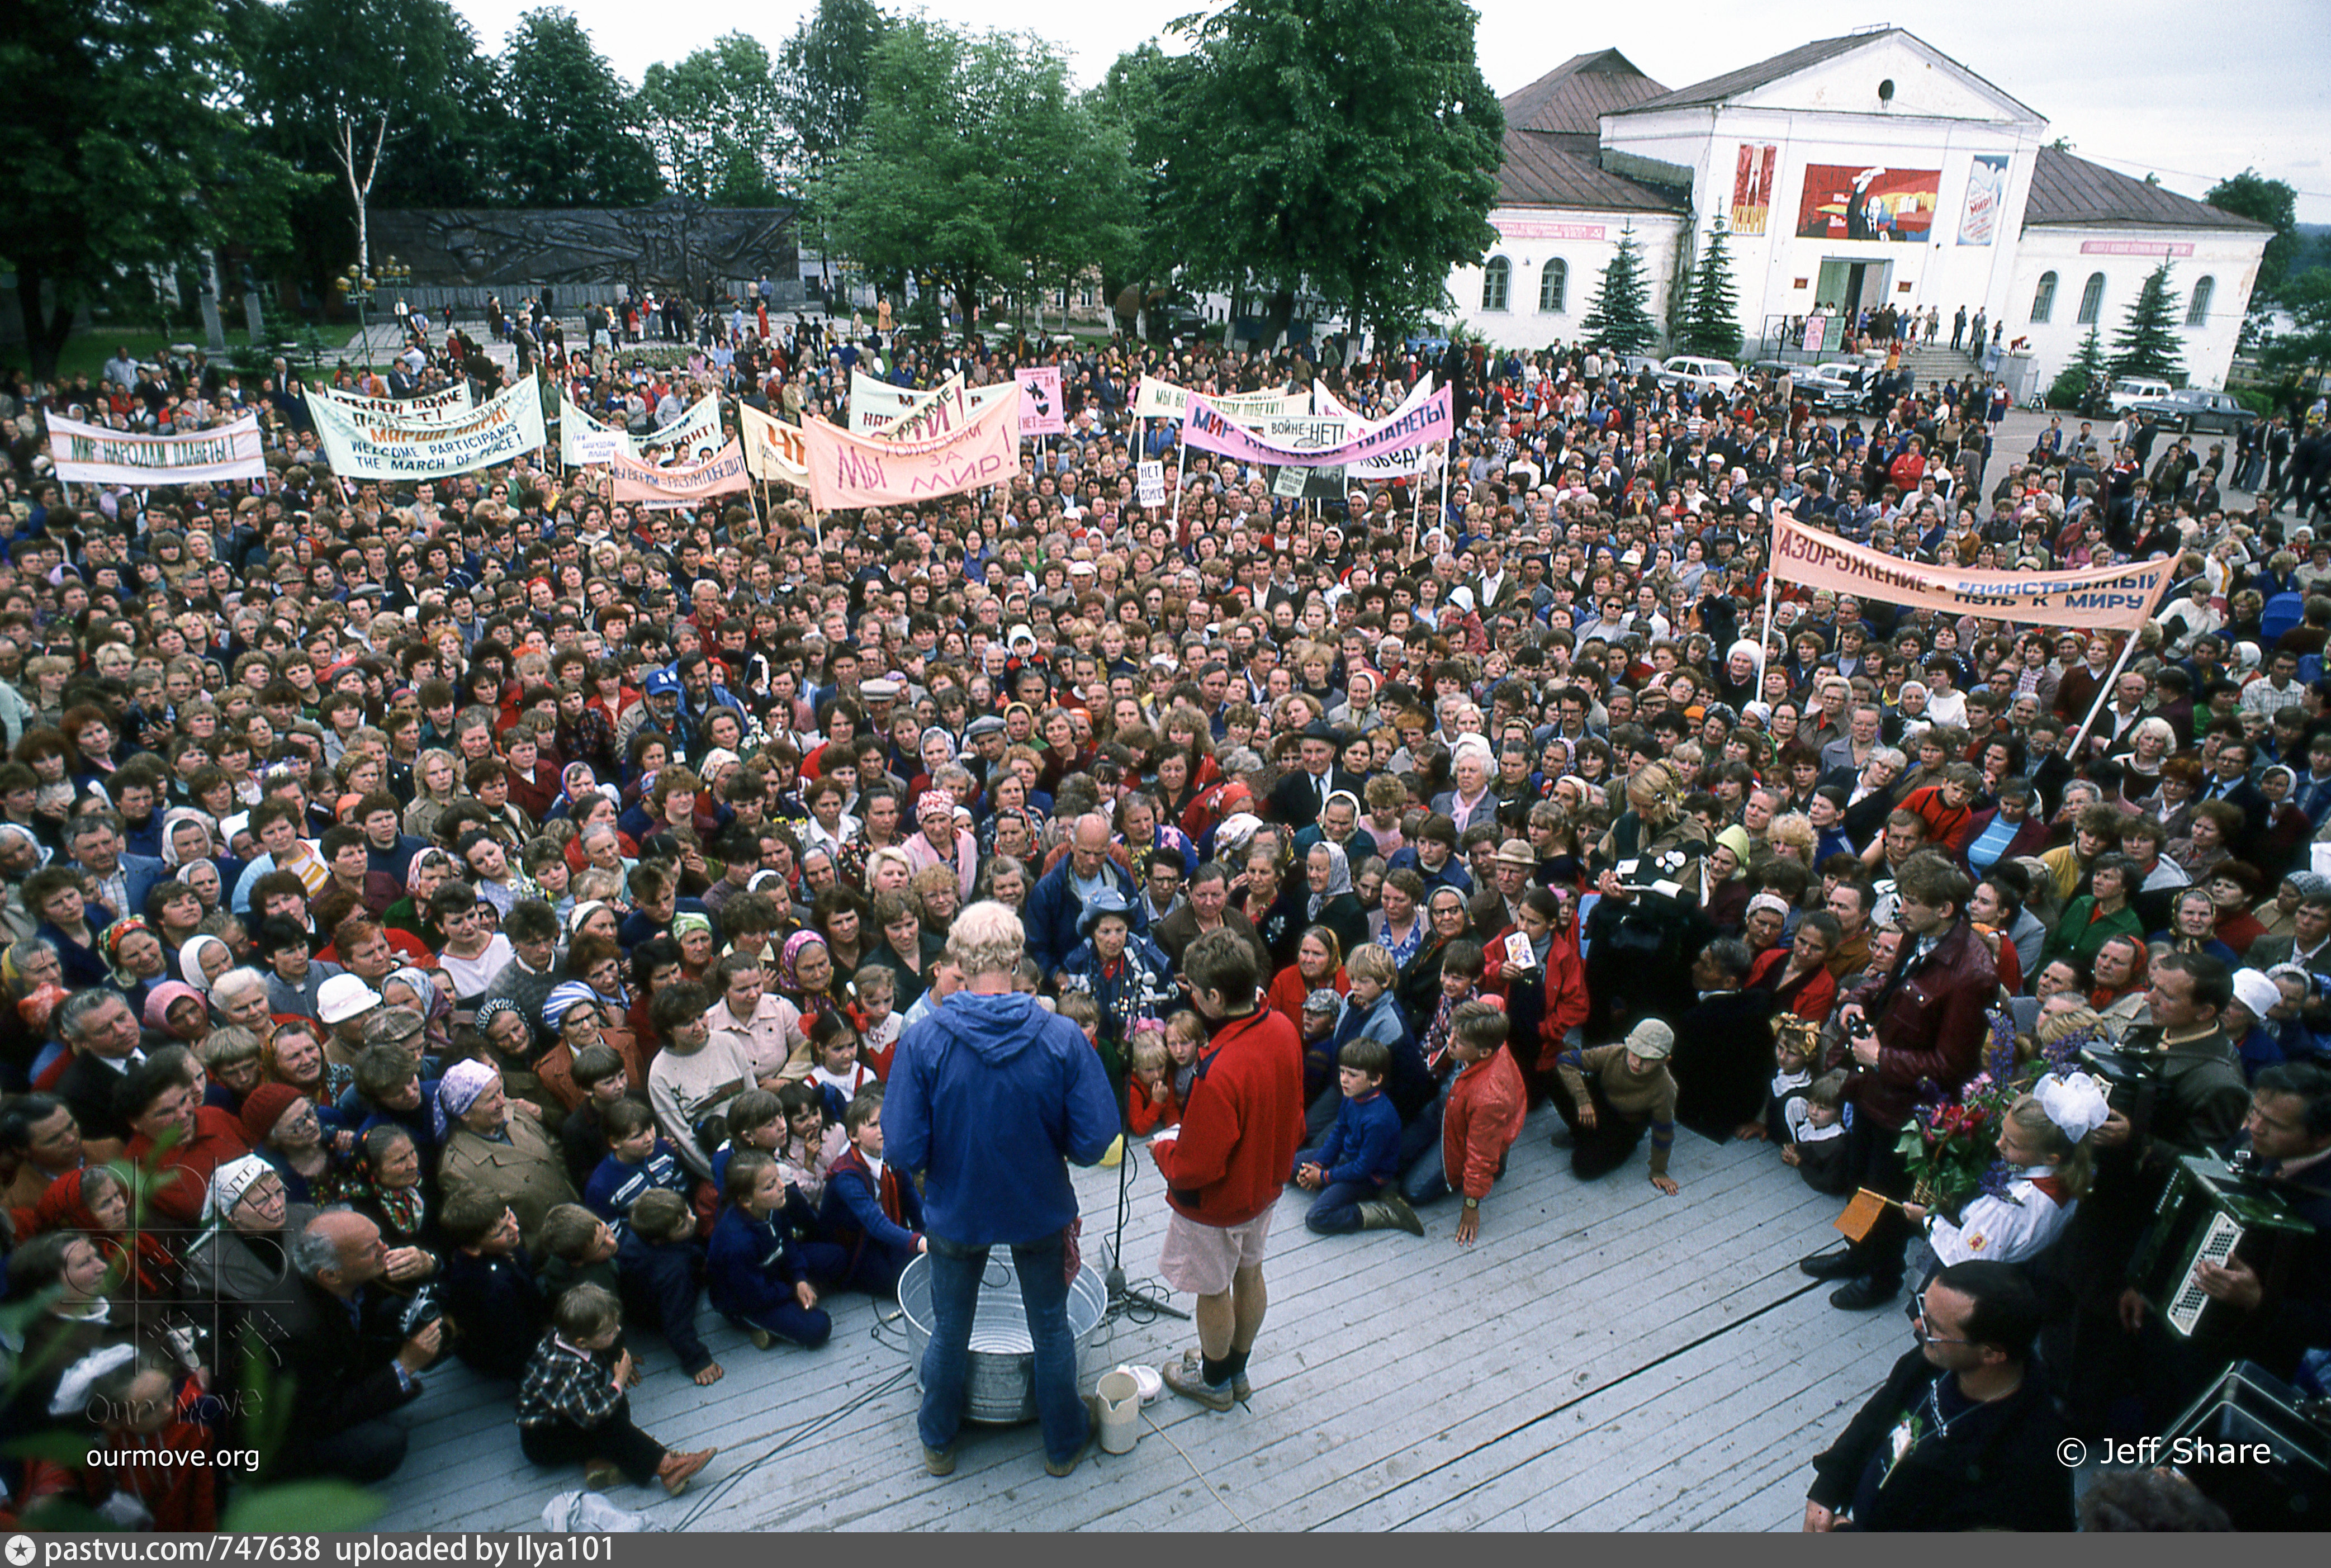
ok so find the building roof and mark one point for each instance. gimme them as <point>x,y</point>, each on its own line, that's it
<point>1572,98</point>
<point>1749,77</point>
<point>1544,170</point>
<point>2067,190</point>
<point>1553,147</point>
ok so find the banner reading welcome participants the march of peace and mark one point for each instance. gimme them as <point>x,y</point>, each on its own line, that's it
<point>366,447</point>
<point>91,454</point>
<point>2110,598</point>
<point>1155,399</point>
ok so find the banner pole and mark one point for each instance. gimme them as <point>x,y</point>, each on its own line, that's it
<point>1764,633</point>
<point>2104,694</point>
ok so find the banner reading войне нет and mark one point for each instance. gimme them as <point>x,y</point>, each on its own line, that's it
<point>2113,598</point>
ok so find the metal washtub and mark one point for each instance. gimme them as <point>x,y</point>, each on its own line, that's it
<point>1000,1387</point>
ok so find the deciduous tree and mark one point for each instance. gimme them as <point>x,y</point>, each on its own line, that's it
<point>127,150</point>
<point>1346,147</point>
<point>717,122</point>
<point>572,135</point>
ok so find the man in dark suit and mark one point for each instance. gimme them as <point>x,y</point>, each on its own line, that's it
<point>122,880</point>
<point>1299,798</point>
<point>101,1031</point>
<point>356,1361</point>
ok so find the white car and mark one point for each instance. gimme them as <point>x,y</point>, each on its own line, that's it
<point>2131,390</point>
<point>1718,374</point>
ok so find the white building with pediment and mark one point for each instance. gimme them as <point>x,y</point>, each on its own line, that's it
<point>1849,173</point>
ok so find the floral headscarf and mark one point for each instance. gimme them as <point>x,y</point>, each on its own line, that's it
<point>463,1082</point>
<point>789,961</point>
<point>110,943</point>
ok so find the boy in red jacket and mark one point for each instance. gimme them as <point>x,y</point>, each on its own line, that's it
<point>1486,1104</point>
<point>1240,1131</point>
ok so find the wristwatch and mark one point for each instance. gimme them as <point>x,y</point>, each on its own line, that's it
<point>1472,1203</point>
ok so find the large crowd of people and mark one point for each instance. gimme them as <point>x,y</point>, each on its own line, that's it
<point>471,918</point>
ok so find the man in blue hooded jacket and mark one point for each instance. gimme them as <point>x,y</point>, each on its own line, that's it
<point>988,1099</point>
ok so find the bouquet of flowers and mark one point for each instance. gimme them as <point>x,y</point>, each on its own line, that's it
<point>1952,1143</point>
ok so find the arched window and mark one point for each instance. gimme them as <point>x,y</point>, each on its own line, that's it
<point>2197,314</point>
<point>2092,299</point>
<point>1554,287</point>
<point>1496,281</point>
<point>2043,298</point>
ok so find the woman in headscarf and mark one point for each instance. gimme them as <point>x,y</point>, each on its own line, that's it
<point>1333,902</point>
<point>423,877</point>
<point>203,960</point>
<point>494,1147</point>
<point>413,988</point>
<point>95,1202</point>
<point>807,978</point>
<point>241,1259</point>
<point>177,1011</point>
<point>133,958</point>
<point>509,1037</point>
<point>693,931</point>
<point>387,1190</point>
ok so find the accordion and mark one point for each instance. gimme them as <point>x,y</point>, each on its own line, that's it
<point>2208,1211</point>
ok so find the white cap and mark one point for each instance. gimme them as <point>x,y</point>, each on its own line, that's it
<point>343,997</point>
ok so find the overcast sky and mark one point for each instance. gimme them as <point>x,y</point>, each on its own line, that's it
<point>2190,92</point>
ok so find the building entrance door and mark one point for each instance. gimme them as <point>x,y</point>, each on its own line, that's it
<point>1849,285</point>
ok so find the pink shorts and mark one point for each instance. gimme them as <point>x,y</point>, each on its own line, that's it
<point>1201,1259</point>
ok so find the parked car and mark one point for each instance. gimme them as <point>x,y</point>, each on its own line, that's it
<point>2195,409</point>
<point>1719,374</point>
<point>2132,390</point>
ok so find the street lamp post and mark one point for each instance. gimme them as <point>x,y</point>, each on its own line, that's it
<point>358,287</point>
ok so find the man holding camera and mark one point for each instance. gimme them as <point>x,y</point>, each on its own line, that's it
<point>1924,1020</point>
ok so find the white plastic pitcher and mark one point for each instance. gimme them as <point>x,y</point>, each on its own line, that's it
<point>1120,1411</point>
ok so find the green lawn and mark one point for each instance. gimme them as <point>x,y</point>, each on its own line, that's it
<point>86,353</point>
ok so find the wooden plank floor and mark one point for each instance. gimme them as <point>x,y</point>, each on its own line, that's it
<point>1604,1359</point>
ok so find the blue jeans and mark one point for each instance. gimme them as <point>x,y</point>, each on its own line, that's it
<point>1337,1208</point>
<point>955,1274</point>
<point>1426,1182</point>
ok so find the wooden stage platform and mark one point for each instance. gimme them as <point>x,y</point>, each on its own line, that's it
<point>1603,1359</point>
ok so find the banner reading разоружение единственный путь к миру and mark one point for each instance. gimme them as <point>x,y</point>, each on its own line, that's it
<point>2117,598</point>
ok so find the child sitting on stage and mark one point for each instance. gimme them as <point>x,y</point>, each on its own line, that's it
<point>872,1212</point>
<point>758,1277</point>
<point>572,1407</point>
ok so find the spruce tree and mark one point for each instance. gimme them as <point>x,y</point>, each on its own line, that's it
<point>1620,319</point>
<point>1711,322</point>
<point>2071,387</point>
<point>2147,342</point>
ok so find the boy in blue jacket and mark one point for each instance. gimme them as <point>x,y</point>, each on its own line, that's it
<point>638,1162</point>
<point>490,1298</point>
<point>757,1274</point>
<point>871,1210</point>
<point>1356,1170</point>
<point>659,1270</point>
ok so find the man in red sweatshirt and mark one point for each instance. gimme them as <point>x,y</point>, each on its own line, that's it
<point>1225,1170</point>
